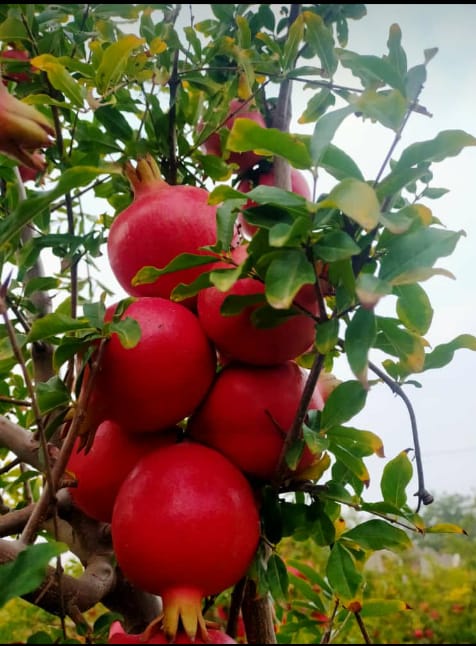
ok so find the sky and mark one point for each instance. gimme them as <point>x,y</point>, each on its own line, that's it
<point>445,406</point>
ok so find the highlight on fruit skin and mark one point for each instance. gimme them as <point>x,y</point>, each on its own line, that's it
<point>23,131</point>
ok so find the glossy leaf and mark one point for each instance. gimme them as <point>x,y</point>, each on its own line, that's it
<point>357,200</point>
<point>114,61</point>
<point>342,573</point>
<point>388,108</point>
<point>287,272</point>
<point>55,323</point>
<point>292,43</point>
<point>373,70</point>
<point>366,441</point>
<point>320,40</point>
<point>327,336</point>
<point>339,164</point>
<point>324,131</point>
<point>277,577</point>
<point>335,245</point>
<point>395,478</point>
<point>52,394</point>
<point>127,329</point>
<point>408,258</point>
<point>370,290</point>
<point>28,570</point>
<point>407,346</point>
<point>246,134</point>
<point>443,353</point>
<point>414,308</point>
<point>396,57</point>
<point>448,143</point>
<point>378,534</point>
<point>60,78</point>
<point>351,461</point>
<point>344,402</point>
<point>359,338</point>
<point>149,274</point>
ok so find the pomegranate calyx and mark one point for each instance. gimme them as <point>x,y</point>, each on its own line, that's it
<point>145,176</point>
<point>183,606</point>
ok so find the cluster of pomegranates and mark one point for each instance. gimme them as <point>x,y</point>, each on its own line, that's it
<point>189,422</point>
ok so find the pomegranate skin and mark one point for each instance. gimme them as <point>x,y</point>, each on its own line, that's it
<point>162,222</point>
<point>185,523</point>
<point>247,413</point>
<point>117,635</point>
<point>162,379</point>
<point>101,471</point>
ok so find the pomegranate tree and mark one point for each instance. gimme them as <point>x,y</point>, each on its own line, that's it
<point>161,222</point>
<point>237,337</point>
<point>185,526</point>
<point>100,471</point>
<point>162,379</point>
<point>247,413</point>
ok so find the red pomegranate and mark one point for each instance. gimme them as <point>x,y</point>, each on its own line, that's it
<point>185,526</point>
<point>158,382</point>
<point>237,337</point>
<point>299,186</point>
<point>100,471</point>
<point>117,635</point>
<point>213,145</point>
<point>247,413</point>
<point>17,55</point>
<point>162,222</point>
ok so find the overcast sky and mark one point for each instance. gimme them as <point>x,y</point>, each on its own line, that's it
<point>445,406</point>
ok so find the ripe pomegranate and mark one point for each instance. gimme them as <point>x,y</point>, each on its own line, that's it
<point>299,186</point>
<point>117,635</point>
<point>185,526</point>
<point>161,222</point>
<point>213,145</point>
<point>327,382</point>
<point>247,413</point>
<point>237,337</point>
<point>100,471</point>
<point>159,381</point>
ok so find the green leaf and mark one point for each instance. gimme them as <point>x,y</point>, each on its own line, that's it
<point>60,78</point>
<point>292,43</point>
<point>54,324</point>
<point>388,108</point>
<point>28,570</point>
<point>345,401</point>
<point>414,308</point>
<point>370,290</point>
<point>128,330</point>
<point>286,274</point>
<point>351,461</point>
<point>359,338</point>
<point>373,70</point>
<point>395,477</point>
<point>149,274</point>
<point>335,245</point>
<point>327,335</point>
<point>114,122</point>
<point>445,528</point>
<point>339,164</point>
<point>409,258</point>
<point>321,42</point>
<point>357,200</point>
<point>114,61</point>
<point>246,134</point>
<point>12,29</point>
<point>366,441</point>
<point>443,354</point>
<point>407,346</point>
<point>277,577</point>
<point>40,283</point>
<point>378,534</point>
<point>447,143</point>
<point>324,132</point>
<point>52,394</point>
<point>342,573</point>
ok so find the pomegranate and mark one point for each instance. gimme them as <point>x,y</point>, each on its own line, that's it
<point>213,145</point>
<point>100,471</point>
<point>299,186</point>
<point>247,413</point>
<point>185,526</point>
<point>159,381</point>
<point>162,222</point>
<point>237,337</point>
<point>17,55</point>
<point>117,635</point>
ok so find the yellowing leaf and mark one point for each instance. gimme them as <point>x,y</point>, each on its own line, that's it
<point>357,200</point>
<point>114,61</point>
<point>157,46</point>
